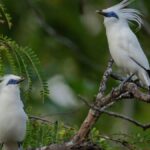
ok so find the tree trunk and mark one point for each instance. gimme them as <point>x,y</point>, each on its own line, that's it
<point>93,114</point>
<point>86,127</point>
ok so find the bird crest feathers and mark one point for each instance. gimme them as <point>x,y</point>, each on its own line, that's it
<point>129,14</point>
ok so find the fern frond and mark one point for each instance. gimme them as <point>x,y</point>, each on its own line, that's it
<point>25,70</point>
<point>23,61</point>
<point>1,64</point>
<point>11,61</point>
<point>32,57</point>
<point>5,17</point>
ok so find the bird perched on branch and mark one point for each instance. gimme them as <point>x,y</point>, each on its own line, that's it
<point>124,46</point>
<point>12,116</point>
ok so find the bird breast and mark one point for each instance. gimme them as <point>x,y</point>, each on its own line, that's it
<point>114,39</point>
<point>12,118</point>
<point>123,44</point>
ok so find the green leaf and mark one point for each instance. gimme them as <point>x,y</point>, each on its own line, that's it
<point>5,17</point>
<point>22,60</point>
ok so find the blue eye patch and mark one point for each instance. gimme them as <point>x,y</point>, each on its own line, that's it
<point>12,81</point>
<point>111,14</point>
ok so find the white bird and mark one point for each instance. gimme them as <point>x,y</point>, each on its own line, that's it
<point>12,116</point>
<point>124,46</point>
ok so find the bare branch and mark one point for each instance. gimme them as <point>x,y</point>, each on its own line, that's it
<point>136,93</point>
<point>40,119</point>
<point>83,146</point>
<point>122,142</point>
<point>105,77</point>
<point>46,121</point>
<point>128,90</point>
<point>120,78</point>
<point>51,147</point>
<point>143,126</point>
<point>109,113</point>
<point>93,114</point>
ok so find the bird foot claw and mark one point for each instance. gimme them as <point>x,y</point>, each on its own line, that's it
<point>126,80</point>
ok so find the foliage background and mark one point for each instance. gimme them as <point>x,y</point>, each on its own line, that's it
<point>69,39</point>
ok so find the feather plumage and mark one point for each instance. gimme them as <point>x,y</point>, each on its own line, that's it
<point>124,46</point>
<point>127,14</point>
<point>121,5</point>
<point>12,115</point>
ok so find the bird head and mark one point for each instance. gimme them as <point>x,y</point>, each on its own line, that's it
<point>108,14</point>
<point>119,13</point>
<point>11,80</point>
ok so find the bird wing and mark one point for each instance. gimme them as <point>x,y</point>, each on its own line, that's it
<point>131,45</point>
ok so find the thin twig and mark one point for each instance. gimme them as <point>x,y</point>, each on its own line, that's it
<point>31,117</point>
<point>113,114</point>
<point>93,114</point>
<point>136,93</point>
<point>105,77</point>
<point>124,143</point>
<point>120,78</point>
<point>40,119</point>
<point>135,122</point>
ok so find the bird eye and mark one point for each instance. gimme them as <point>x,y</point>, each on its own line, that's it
<point>12,81</point>
<point>112,14</point>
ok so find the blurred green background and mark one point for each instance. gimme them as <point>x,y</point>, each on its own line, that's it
<point>70,40</point>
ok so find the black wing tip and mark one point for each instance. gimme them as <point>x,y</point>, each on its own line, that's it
<point>148,71</point>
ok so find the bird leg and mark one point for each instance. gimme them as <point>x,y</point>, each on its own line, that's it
<point>20,146</point>
<point>126,80</point>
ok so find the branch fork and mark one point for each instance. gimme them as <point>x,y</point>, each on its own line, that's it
<point>127,91</point>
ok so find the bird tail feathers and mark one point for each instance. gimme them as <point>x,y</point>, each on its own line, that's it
<point>148,71</point>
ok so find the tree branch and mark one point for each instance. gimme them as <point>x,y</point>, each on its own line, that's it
<point>102,101</point>
<point>113,114</point>
<point>120,78</point>
<point>122,142</point>
<point>136,93</point>
<point>46,121</point>
<point>105,77</point>
<point>93,114</point>
<point>143,126</point>
<point>40,119</point>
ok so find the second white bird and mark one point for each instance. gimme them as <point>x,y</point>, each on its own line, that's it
<point>123,43</point>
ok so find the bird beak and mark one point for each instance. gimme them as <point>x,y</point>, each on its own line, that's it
<point>100,12</point>
<point>21,80</point>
